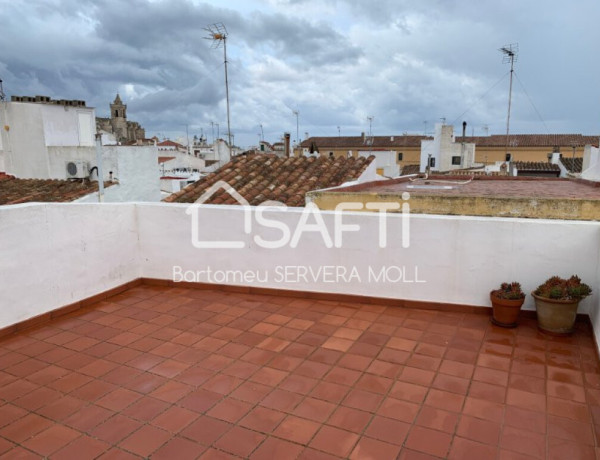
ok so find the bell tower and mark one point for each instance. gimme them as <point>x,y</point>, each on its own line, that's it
<point>118,118</point>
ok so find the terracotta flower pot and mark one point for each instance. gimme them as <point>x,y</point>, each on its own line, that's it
<point>556,316</point>
<point>505,312</point>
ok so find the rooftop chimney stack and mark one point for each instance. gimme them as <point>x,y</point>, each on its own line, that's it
<point>464,129</point>
<point>287,145</point>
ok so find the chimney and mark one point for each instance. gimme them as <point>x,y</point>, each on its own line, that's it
<point>287,145</point>
<point>464,129</point>
<point>364,138</point>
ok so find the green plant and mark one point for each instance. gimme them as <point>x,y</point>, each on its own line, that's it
<point>558,288</point>
<point>509,291</point>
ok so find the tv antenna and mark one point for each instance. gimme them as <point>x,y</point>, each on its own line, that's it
<point>218,34</point>
<point>510,53</point>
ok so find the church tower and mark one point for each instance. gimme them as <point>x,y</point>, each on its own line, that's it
<point>118,119</point>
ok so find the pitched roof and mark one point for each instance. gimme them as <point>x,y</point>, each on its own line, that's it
<point>531,140</point>
<point>266,177</point>
<point>170,143</point>
<point>360,142</point>
<point>537,166</point>
<point>496,140</point>
<point>14,191</point>
<point>573,165</point>
<point>165,159</point>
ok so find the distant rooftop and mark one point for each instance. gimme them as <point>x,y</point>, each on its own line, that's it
<point>496,196</point>
<point>410,140</point>
<point>15,191</point>
<point>48,100</point>
<point>266,177</point>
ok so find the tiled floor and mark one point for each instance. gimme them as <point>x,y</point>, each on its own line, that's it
<point>172,373</point>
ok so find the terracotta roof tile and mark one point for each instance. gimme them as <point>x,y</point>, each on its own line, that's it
<point>14,191</point>
<point>573,165</point>
<point>164,159</point>
<point>410,169</point>
<point>531,140</point>
<point>542,166</point>
<point>266,177</point>
<point>496,140</point>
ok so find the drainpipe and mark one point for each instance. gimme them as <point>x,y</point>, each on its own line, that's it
<point>99,164</point>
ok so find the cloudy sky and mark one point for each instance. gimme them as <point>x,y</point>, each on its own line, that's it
<point>407,64</point>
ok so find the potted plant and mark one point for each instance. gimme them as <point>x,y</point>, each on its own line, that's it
<point>556,303</point>
<point>506,304</point>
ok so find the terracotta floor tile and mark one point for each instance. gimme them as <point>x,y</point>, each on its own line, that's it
<point>465,449</point>
<point>298,384</point>
<point>526,400</point>
<point>523,418</point>
<point>331,392</point>
<point>427,363</point>
<point>363,400</point>
<point>274,448</point>
<point>528,383</point>
<point>428,441</point>
<point>397,409</point>
<point>230,410</point>
<point>559,449</point>
<point>118,399</point>
<point>437,419</point>
<point>342,376</point>
<point>25,427</point>
<point>384,369</point>
<point>262,419</point>
<point>281,400</point>
<point>349,419</point>
<point>222,384</point>
<point>483,409</point>
<point>334,441</point>
<point>174,419</point>
<point>206,430</point>
<point>269,376</point>
<point>443,400</point>
<point>115,429</point>
<point>475,429</point>
<point>49,441</point>
<point>296,429</point>
<point>239,441</point>
<point>489,392</point>
<point>524,442</point>
<point>456,368</point>
<point>416,376</point>
<point>145,441</point>
<point>82,447</point>
<point>569,409</point>
<point>368,448</point>
<point>388,430</point>
<point>336,343</point>
<point>182,449</point>
<point>451,383</point>
<point>314,409</point>
<point>570,430</point>
<point>565,391</point>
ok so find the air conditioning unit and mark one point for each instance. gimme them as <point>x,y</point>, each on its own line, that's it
<point>77,169</point>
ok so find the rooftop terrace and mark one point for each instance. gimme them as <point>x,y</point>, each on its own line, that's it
<point>303,367</point>
<point>168,372</point>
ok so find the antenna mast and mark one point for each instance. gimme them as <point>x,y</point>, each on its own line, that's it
<point>218,34</point>
<point>510,56</point>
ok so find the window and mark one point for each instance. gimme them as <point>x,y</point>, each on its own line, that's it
<point>432,162</point>
<point>330,154</point>
<point>400,155</point>
<point>456,160</point>
<point>508,157</point>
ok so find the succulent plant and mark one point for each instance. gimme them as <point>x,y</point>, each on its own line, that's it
<point>509,291</point>
<point>563,289</point>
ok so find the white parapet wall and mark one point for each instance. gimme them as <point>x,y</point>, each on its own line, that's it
<point>57,254</point>
<point>52,255</point>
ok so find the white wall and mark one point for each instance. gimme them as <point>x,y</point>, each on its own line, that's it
<point>385,160</point>
<point>461,258</point>
<point>443,147</point>
<point>37,131</point>
<point>56,254</point>
<point>135,168</point>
